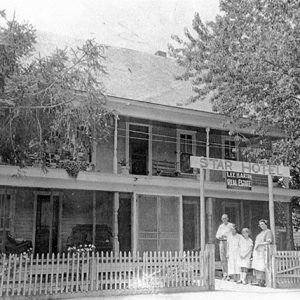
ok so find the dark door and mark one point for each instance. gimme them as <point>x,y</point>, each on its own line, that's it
<point>124,222</point>
<point>189,226</point>
<point>4,218</point>
<point>138,149</point>
<point>46,224</point>
<point>232,210</point>
<point>186,151</point>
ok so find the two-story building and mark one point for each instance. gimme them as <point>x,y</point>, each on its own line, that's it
<point>151,203</point>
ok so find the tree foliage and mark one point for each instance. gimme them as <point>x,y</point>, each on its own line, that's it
<point>248,62</point>
<point>53,104</point>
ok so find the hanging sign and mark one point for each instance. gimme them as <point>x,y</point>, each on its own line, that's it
<point>238,166</point>
<point>238,181</point>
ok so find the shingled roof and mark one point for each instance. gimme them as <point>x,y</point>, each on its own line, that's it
<point>135,75</point>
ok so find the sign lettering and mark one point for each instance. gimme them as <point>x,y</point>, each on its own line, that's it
<point>238,181</point>
<point>238,166</point>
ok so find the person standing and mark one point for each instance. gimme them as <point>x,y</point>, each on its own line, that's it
<point>246,245</point>
<point>233,254</point>
<point>264,238</point>
<point>223,231</point>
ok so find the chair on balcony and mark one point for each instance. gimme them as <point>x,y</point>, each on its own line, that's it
<point>165,168</point>
<point>16,246</point>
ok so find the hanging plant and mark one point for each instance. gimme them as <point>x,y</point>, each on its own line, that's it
<point>72,167</point>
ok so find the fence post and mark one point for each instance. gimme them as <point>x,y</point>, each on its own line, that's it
<point>210,249</point>
<point>274,270</point>
<point>271,249</point>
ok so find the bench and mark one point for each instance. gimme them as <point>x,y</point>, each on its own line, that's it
<point>165,168</point>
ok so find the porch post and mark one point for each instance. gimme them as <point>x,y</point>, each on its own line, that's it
<point>202,210</point>
<point>94,218</point>
<point>51,223</point>
<point>115,223</point>
<point>150,151</point>
<point>34,221</point>
<point>271,206</point>
<point>115,156</point>
<point>180,223</point>
<point>207,177</point>
<point>133,223</point>
<point>210,220</point>
<point>12,211</point>
<point>60,216</point>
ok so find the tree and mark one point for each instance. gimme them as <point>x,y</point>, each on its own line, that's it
<point>248,62</point>
<point>51,107</point>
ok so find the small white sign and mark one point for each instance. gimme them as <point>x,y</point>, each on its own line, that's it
<point>217,164</point>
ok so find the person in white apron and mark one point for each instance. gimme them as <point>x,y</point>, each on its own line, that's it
<point>233,253</point>
<point>264,238</point>
<point>246,245</point>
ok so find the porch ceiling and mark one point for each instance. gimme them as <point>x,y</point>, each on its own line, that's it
<point>59,179</point>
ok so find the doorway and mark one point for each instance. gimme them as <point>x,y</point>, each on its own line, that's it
<point>190,225</point>
<point>5,218</point>
<point>158,223</point>
<point>232,209</point>
<point>138,149</point>
<point>46,235</point>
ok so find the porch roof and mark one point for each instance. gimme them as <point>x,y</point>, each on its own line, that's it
<point>58,179</point>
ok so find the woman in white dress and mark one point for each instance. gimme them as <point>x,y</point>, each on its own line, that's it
<point>246,245</point>
<point>264,238</point>
<point>233,252</point>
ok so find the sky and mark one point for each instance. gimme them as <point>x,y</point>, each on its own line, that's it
<point>145,25</point>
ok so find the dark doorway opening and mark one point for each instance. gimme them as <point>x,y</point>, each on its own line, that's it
<point>138,149</point>
<point>46,224</point>
<point>124,222</point>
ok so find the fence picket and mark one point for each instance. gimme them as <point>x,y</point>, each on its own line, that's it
<point>2,274</point>
<point>38,275</point>
<point>72,272</point>
<point>8,274</point>
<point>25,276</point>
<point>92,270</point>
<point>15,258</point>
<point>97,272</point>
<point>63,273</point>
<point>82,265</point>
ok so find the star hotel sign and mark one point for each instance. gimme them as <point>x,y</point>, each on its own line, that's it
<point>238,166</point>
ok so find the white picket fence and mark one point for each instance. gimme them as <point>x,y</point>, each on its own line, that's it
<point>285,269</point>
<point>107,272</point>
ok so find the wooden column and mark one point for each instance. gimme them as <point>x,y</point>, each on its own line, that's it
<point>180,211</point>
<point>127,145</point>
<point>94,218</point>
<point>150,151</point>
<point>60,217</point>
<point>12,211</point>
<point>34,221</point>
<point>115,155</point>
<point>134,223</point>
<point>242,214</point>
<point>202,210</point>
<point>51,223</point>
<point>115,223</point>
<point>210,220</point>
<point>271,206</point>
<point>207,152</point>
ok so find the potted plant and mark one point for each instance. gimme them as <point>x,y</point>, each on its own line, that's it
<point>124,167</point>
